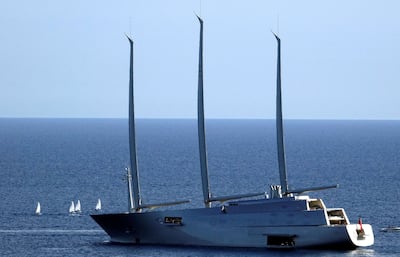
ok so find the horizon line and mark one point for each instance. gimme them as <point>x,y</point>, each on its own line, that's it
<point>221,118</point>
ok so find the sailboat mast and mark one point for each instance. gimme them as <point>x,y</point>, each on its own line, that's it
<point>279,124</point>
<point>133,172</point>
<point>200,124</point>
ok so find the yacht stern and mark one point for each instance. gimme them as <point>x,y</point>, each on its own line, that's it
<point>360,237</point>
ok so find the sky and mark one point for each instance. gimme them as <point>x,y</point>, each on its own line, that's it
<point>70,59</point>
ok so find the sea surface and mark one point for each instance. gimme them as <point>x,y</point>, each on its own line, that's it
<point>56,161</point>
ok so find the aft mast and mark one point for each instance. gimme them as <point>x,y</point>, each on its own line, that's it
<point>132,172</point>
<point>200,124</point>
<point>280,142</point>
<point>279,124</point>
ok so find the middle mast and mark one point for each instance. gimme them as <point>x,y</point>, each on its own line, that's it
<point>200,125</point>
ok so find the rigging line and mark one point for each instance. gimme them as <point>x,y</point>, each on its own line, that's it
<point>200,7</point>
<point>277,22</point>
<point>130,26</point>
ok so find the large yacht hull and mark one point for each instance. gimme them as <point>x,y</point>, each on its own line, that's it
<point>250,225</point>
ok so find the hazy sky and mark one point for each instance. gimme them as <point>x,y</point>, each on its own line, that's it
<point>340,59</point>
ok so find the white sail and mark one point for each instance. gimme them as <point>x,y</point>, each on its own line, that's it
<point>78,206</point>
<point>38,209</point>
<point>72,207</point>
<point>98,205</point>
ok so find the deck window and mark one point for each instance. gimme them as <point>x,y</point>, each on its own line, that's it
<point>173,220</point>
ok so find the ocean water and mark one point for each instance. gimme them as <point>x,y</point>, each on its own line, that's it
<point>56,161</point>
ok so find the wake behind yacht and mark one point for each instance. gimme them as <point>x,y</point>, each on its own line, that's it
<point>285,219</point>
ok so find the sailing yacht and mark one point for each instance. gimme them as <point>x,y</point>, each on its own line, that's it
<point>98,205</point>
<point>78,207</point>
<point>285,219</point>
<point>38,210</point>
<point>72,208</point>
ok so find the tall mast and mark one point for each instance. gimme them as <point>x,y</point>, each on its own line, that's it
<point>200,124</point>
<point>133,172</point>
<point>279,125</point>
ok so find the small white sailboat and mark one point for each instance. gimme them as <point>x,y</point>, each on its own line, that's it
<point>78,207</point>
<point>98,205</point>
<point>72,208</point>
<point>38,210</point>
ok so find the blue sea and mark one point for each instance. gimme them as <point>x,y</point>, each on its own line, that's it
<point>56,161</point>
